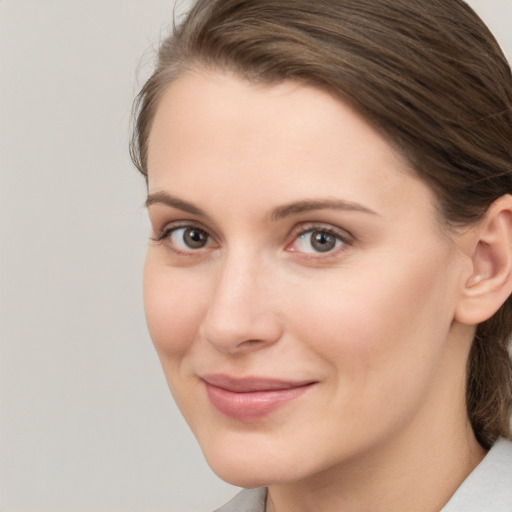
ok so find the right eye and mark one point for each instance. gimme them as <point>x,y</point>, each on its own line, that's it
<point>186,239</point>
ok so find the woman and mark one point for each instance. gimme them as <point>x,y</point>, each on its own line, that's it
<point>329,274</point>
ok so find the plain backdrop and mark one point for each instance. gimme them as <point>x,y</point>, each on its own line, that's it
<point>86,420</point>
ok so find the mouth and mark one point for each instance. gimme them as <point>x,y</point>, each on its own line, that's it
<point>251,398</point>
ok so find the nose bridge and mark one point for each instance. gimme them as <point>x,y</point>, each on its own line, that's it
<point>240,312</point>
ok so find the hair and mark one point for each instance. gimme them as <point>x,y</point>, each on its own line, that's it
<point>428,75</point>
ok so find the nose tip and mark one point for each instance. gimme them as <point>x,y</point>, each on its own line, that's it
<point>241,317</point>
<point>238,329</point>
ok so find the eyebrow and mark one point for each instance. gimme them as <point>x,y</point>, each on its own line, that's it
<point>298,207</point>
<point>287,210</point>
<point>174,202</point>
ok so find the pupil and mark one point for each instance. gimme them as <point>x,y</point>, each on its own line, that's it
<point>323,242</point>
<point>195,238</point>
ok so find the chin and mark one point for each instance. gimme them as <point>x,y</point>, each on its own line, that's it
<point>249,476</point>
<point>252,465</point>
<point>245,477</point>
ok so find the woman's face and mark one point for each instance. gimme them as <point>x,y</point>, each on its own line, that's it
<point>299,289</point>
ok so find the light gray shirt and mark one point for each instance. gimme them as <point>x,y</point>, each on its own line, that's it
<point>487,489</point>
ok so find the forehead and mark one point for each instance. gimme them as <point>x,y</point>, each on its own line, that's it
<point>216,130</point>
<point>221,100</point>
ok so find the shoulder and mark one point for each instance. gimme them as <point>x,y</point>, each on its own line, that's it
<point>489,486</point>
<point>249,500</point>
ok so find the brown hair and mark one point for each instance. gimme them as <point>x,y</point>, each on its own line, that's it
<point>428,74</point>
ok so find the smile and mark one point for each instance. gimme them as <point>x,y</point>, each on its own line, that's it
<point>251,399</point>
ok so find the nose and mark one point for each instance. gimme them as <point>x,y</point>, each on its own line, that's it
<point>242,314</point>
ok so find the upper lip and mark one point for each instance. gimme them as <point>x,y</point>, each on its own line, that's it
<point>251,384</point>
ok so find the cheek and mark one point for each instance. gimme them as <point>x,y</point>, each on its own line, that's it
<point>380,322</point>
<point>173,308</point>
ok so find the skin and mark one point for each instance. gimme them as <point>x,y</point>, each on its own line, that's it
<point>371,322</point>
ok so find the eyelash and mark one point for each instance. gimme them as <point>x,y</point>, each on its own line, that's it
<point>168,231</point>
<point>342,236</point>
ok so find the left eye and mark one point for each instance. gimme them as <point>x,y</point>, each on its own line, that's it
<point>189,238</point>
<point>317,241</point>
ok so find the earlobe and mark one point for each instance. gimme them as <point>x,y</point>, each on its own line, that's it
<point>490,282</point>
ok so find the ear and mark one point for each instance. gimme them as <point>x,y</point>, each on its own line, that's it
<point>490,282</point>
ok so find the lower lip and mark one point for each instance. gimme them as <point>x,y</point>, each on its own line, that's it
<point>253,405</point>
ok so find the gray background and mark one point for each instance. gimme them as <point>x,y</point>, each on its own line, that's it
<point>86,421</point>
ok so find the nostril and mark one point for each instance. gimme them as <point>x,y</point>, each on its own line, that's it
<point>230,344</point>
<point>249,343</point>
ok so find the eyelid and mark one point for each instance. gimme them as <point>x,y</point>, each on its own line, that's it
<point>343,235</point>
<point>305,227</point>
<point>346,238</point>
<point>173,225</point>
<point>166,231</point>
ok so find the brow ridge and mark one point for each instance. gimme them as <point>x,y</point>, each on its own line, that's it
<point>305,206</point>
<point>173,202</point>
<point>281,212</point>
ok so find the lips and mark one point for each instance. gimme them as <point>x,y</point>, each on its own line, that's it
<point>250,399</point>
